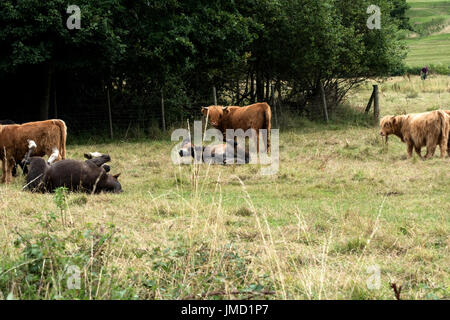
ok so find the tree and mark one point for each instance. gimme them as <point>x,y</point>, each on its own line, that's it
<point>34,35</point>
<point>398,12</point>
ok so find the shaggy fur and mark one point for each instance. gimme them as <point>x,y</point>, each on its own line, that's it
<point>448,121</point>
<point>48,135</point>
<point>418,130</point>
<point>256,116</point>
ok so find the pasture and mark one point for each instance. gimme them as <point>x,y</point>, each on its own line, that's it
<point>430,43</point>
<point>342,205</point>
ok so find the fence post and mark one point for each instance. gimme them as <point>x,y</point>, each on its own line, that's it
<point>215,95</point>
<point>162,110</point>
<point>273,103</point>
<point>376,104</point>
<point>370,102</point>
<point>324,102</point>
<point>109,112</point>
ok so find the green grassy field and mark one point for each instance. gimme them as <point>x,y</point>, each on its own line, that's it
<point>431,43</point>
<point>342,205</point>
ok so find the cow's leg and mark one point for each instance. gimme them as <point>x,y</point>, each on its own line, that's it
<point>443,148</point>
<point>448,146</point>
<point>14,170</point>
<point>54,156</point>
<point>91,155</point>
<point>431,148</point>
<point>255,138</point>
<point>9,169</point>
<point>24,163</point>
<point>104,158</point>
<point>409,149</point>
<point>4,165</point>
<point>418,151</point>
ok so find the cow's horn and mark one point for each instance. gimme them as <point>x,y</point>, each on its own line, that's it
<point>206,108</point>
<point>224,108</point>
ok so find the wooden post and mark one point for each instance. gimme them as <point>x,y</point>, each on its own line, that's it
<point>55,105</point>
<point>324,103</point>
<point>109,112</point>
<point>376,104</point>
<point>273,103</point>
<point>370,102</point>
<point>162,110</point>
<point>215,95</point>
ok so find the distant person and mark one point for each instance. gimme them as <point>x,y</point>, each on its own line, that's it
<point>424,72</point>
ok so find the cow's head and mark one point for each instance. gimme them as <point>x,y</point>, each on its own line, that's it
<point>216,114</point>
<point>187,149</point>
<point>112,184</point>
<point>390,125</point>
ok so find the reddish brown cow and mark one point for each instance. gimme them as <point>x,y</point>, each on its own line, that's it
<point>50,136</point>
<point>256,116</point>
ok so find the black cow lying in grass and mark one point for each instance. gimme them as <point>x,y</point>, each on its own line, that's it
<point>88,176</point>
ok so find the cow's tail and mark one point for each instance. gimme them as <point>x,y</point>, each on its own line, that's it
<point>63,129</point>
<point>267,124</point>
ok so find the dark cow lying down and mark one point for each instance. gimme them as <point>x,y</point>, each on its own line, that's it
<point>87,176</point>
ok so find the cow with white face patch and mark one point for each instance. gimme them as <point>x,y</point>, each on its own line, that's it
<point>49,135</point>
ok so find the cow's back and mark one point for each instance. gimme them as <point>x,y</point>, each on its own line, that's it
<point>65,173</point>
<point>252,116</point>
<point>74,174</point>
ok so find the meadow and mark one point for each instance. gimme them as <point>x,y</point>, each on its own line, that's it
<point>344,218</point>
<point>430,43</point>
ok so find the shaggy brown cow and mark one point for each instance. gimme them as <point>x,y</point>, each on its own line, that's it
<point>418,130</point>
<point>50,135</point>
<point>256,116</point>
<point>448,144</point>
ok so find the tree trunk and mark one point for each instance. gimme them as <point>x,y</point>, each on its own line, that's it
<point>55,105</point>
<point>45,101</point>
<point>252,88</point>
<point>111,133</point>
<point>237,91</point>
<point>259,87</point>
<point>163,111</point>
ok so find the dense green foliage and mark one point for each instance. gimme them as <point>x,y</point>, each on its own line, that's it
<point>246,49</point>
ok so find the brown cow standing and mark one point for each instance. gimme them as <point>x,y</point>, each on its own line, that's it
<point>50,136</point>
<point>256,116</point>
<point>418,130</point>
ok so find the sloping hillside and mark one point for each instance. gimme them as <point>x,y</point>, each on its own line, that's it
<point>430,43</point>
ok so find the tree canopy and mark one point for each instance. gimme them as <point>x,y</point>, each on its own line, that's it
<point>141,49</point>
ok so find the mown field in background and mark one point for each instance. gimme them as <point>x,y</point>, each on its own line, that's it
<point>430,43</point>
<point>341,206</point>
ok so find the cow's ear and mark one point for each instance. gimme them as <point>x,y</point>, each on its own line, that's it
<point>225,110</point>
<point>116,176</point>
